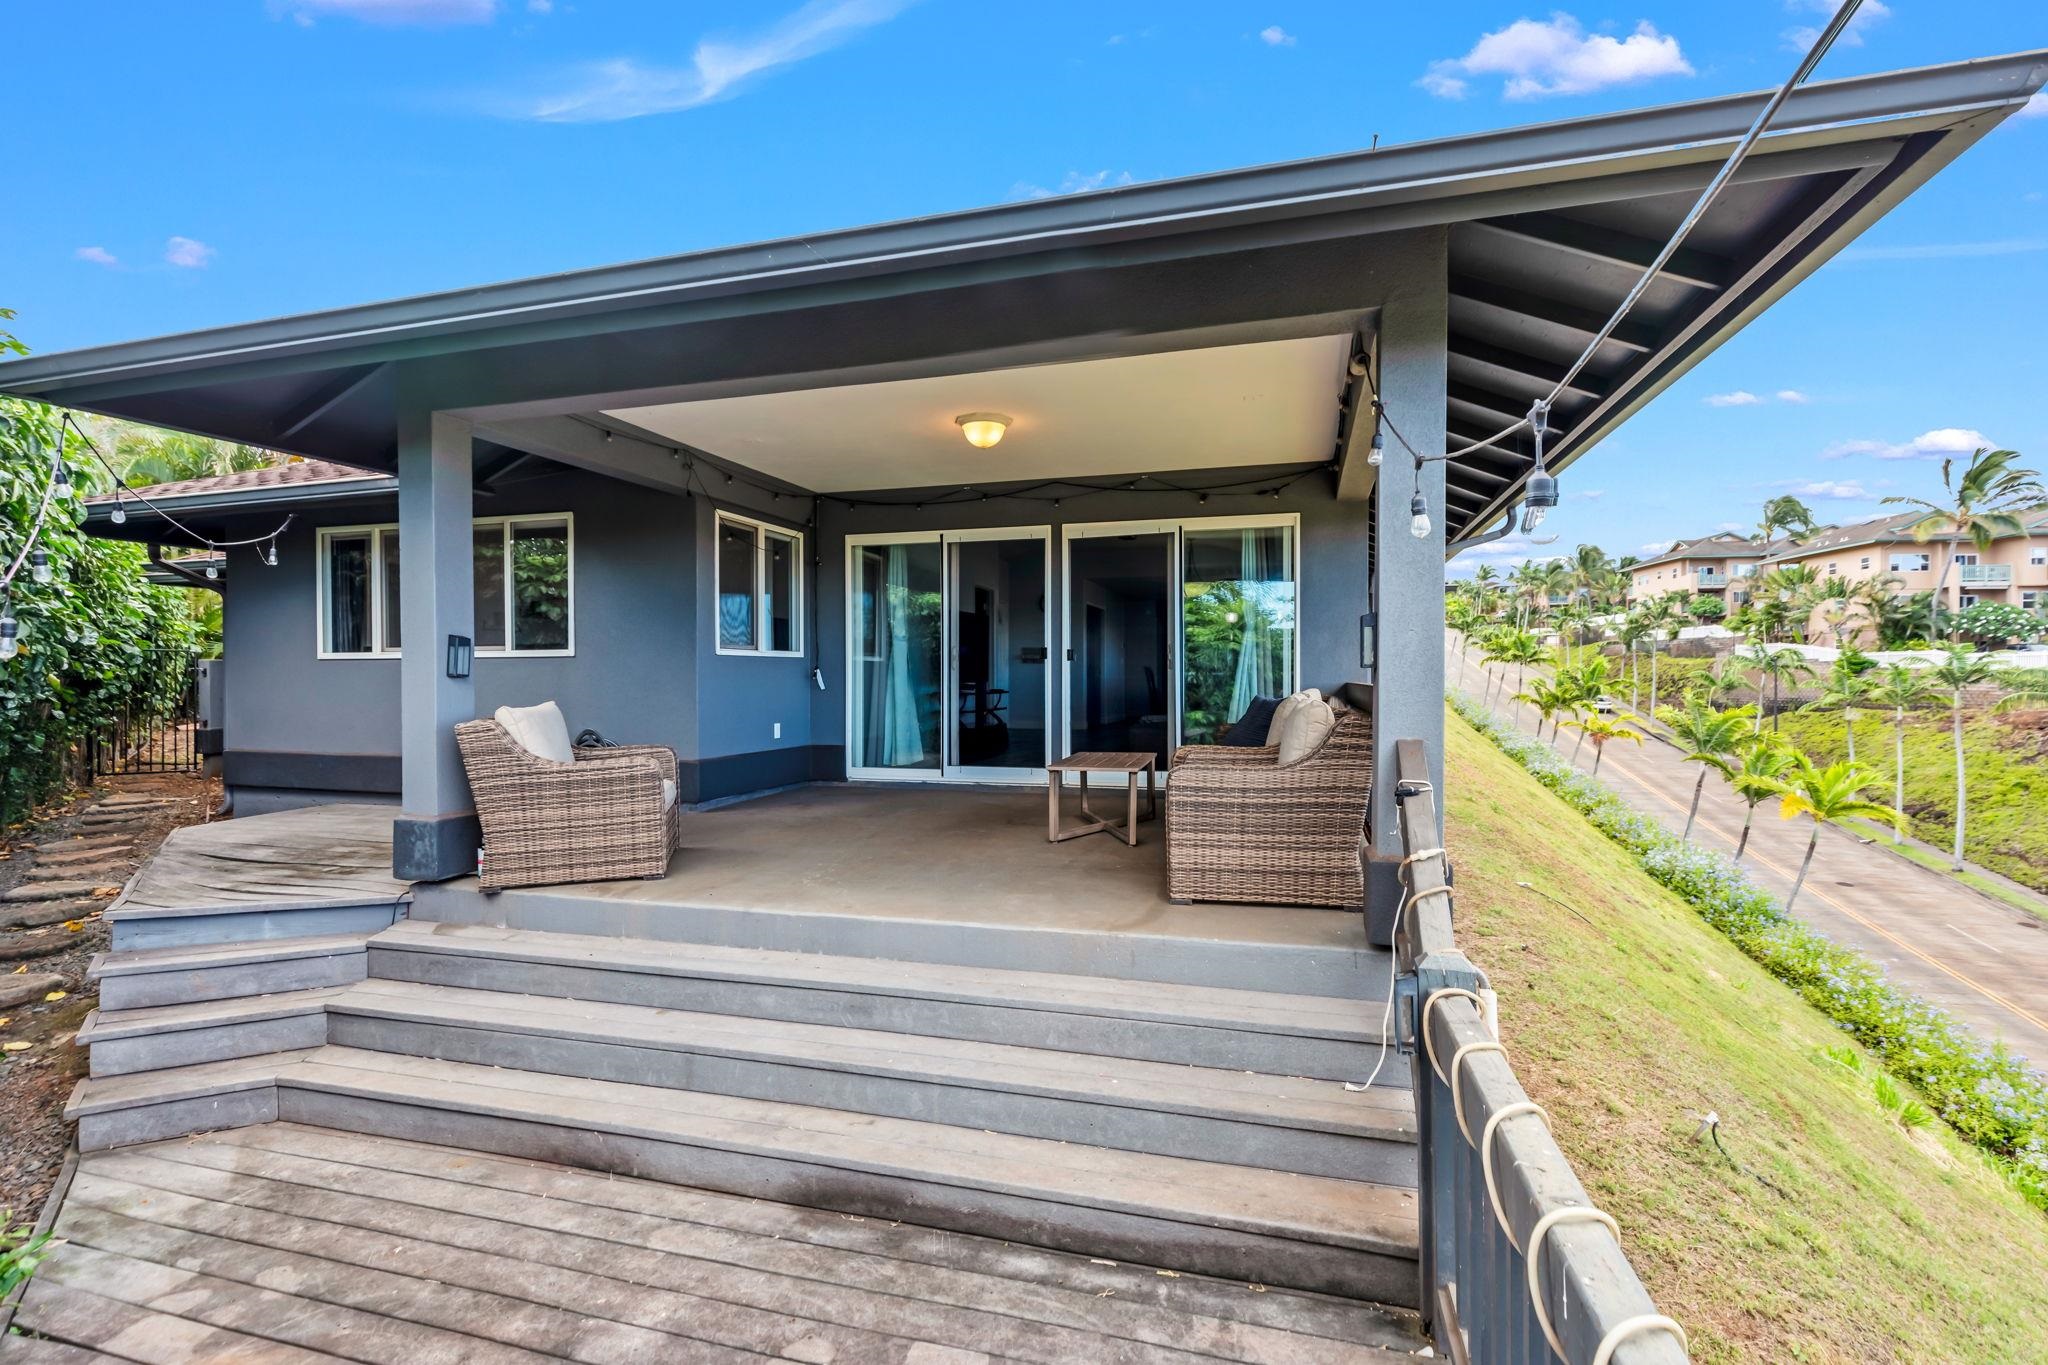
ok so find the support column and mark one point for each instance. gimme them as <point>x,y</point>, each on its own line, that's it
<point>436,835</point>
<point>1408,573</point>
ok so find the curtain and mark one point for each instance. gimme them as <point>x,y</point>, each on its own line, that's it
<point>894,737</point>
<point>1262,653</point>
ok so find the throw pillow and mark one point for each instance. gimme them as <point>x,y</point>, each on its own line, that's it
<point>1287,707</point>
<point>540,730</point>
<point>1255,727</point>
<point>1307,728</point>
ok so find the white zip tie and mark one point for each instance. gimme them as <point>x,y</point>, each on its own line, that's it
<point>1629,1327</point>
<point>1506,1111</point>
<point>1457,1095</point>
<point>1570,1213</point>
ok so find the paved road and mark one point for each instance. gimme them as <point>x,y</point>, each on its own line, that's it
<point>1984,962</point>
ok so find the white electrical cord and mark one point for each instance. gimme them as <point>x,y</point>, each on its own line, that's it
<point>1394,964</point>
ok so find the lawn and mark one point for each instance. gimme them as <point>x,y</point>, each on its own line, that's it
<point>1886,1243</point>
<point>2007,764</point>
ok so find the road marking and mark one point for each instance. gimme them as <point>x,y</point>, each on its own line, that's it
<point>1974,939</point>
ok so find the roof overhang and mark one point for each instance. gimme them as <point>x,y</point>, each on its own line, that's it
<point>1549,225</point>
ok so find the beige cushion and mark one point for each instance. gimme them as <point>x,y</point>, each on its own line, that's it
<point>540,730</point>
<point>1308,725</point>
<point>1289,704</point>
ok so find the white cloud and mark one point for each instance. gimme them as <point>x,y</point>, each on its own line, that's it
<point>1738,398</point>
<point>540,6</point>
<point>1590,494</point>
<point>2037,107</point>
<point>1945,251</point>
<point>1073,182</point>
<point>1557,57</point>
<point>1804,36</point>
<point>1731,526</point>
<point>98,255</point>
<point>622,88</point>
<point>1837,490</point>
<point>188,254</point>
<point>1792,396</point>
<point>1654,547</point>
<point>1275,36</point>
<point>1928,445</point>
<point>391,11</point>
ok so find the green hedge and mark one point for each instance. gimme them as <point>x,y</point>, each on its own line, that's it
<point>1985,1093</point>
<point>58,689</point>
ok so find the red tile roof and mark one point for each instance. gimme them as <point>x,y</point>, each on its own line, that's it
<point>289,475</point>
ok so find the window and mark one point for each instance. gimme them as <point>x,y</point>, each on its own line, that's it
<point>2038,555</point>
<point>2030,600</point>
<point>1834,567</point>
<point>1863,563</point>
<point>1969,599</point>
<point>1910,562</point>
<point>522,572</point>
<point>1966,559</point>
<point>759,587</point>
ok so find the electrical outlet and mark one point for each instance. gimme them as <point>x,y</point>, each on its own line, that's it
<point>778,729</point>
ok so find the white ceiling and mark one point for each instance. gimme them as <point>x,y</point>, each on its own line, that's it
<point>1268,402</point>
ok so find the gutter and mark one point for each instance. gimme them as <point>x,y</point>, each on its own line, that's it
<point>239,499</point>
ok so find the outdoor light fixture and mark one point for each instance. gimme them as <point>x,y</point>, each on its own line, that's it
<point>1539,495</point>
<point>10,636</point>
<point>982,429</point>
<point>213,570</point>
<point>1418,517</point>
<point>39,564</point>
<point>120,513</point>
<point>270,553</point>
<point>460,651</point>
<point>60,477</point>
<point>1378,451</point>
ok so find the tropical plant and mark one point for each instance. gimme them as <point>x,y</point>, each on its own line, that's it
<point>1786,515</point>
<point>1848,689</point>
<point>1760,777</point>
<point>1981,505</point>
<point>1705,609</point>
<point>1783,598</point>
<point>1960,671</point>
<point>1549,698</point>
<point>1600,729</point>
<point>1658,613</point>
<point>1827,796</point>
<point>1777,667</point>
<point>22,1249</point>
<point>1900,687</point>
<point>1707,737</point>
<point>1994,623</point>
<point>150,455</point>
<point>1635,628</point>
<point>1720,683</point>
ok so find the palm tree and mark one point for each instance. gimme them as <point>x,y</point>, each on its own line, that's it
<point>1521,648</point>
<point>1982,506</point>
<point>1962,669</point>
<point>1721,683</point>
<point>1633,630</point>
<point>1658,613</point>
<point>1787,514</point>
<point>1707,737</point>
<point>1829,796</point>
<point>1764,765</point>
<point>1600,729</point>
<point>1778,666</point>
<point>1548,698</point>
<point>1846,691</point>
<point>1901,687</point>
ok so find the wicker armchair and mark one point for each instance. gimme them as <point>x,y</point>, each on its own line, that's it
<point>599,818</point>
<point>1239,827</point>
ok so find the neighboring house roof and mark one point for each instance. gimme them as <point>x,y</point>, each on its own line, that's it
<point>1548,227</point>
<point>292,474</point>
<point>1887,530</point>
<point>1723,545</point>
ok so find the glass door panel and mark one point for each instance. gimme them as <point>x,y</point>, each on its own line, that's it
<point>1238,623</point>
<point>898,647</point>
<point>999,653</point>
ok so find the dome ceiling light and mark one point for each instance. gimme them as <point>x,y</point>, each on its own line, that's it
<point>982,429</point>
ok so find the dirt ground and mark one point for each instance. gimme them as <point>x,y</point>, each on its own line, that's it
<point>128,817</point>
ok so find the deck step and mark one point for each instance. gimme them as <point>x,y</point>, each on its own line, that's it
<point>1239,1030</point>
<point>124,1042</point>
<point>148,977</point>
<point>135,926</point>
<point>1348,1237</point>
<point>1310,1126</point>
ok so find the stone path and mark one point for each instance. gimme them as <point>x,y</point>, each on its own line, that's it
<point>1982,960</point>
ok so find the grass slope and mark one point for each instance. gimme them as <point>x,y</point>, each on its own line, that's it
<point>1631,1022</point>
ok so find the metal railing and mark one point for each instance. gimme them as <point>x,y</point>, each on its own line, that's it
<point>1517,1263</point>
<point>157,732</point>
<point>1986,575</point>
<point>1710,578</point>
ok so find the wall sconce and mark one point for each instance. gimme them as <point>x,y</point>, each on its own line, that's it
<point>460,652</point>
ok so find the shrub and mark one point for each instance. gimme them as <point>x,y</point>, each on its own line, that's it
<point>1983,1092</point>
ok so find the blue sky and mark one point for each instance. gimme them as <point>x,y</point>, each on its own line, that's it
<point>185,165</point>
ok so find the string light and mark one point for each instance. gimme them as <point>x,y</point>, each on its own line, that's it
<point>119,516</point>
<point>39,564</point>
<point>10,634</point>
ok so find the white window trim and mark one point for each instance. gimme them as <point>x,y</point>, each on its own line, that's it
<point>796,617</point>
<point>321,580</point>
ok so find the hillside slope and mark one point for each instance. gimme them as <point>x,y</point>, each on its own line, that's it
<point>1628,1019</point>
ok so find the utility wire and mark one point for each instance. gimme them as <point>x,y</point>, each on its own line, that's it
<point>122,489</point>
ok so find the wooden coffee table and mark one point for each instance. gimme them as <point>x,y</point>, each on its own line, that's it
<point>1130,765</point>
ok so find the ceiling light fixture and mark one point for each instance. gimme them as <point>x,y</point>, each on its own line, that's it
<point>982,429</point>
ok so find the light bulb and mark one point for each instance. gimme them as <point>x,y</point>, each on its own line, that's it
<point>39,565</point>
<point>120,513</point>
<point>213,571</point>
<point>982,429</point>
<point>1378,451</point>
<point>270,554</point>
<point>10,637</point>
<point>1532,517</point>
<point>61,478</point>
<point>1418,517</point>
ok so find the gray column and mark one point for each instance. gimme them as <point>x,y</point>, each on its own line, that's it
<point>436,834</point>
<point>1408,573</point>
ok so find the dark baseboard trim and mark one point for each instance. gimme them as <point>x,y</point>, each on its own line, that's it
<point>434,848</point>
<point>714,779</point>
<point>210,743</point>
<point>378,773</point>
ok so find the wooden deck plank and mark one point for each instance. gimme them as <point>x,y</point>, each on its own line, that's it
<point>18,1350</point>
<point>127,1331</point>
<point>1103,1286</point>
<point>336,853</point>
<point>488,1324</point>
<point>964,1309</point>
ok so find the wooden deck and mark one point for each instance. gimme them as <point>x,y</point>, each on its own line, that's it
<point>290,1243</point>
<point>290,859</point>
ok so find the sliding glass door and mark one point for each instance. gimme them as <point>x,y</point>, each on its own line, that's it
<point>949,671</point>
<point>1238,623</point>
